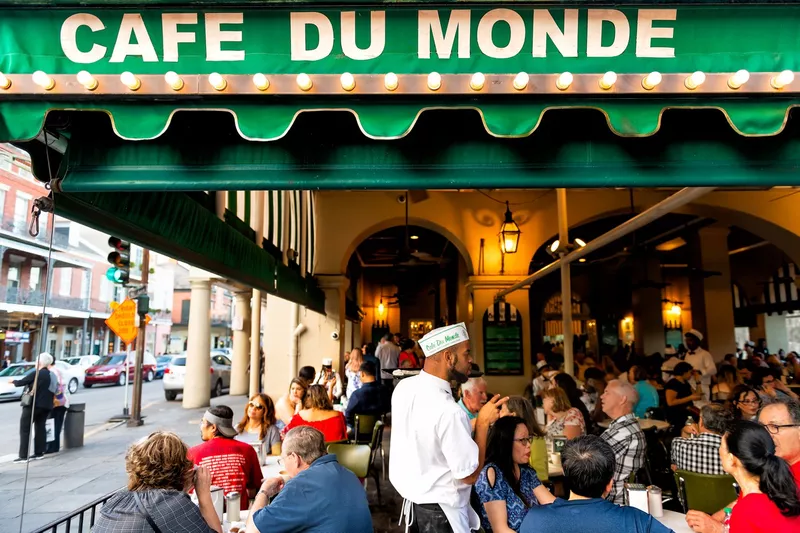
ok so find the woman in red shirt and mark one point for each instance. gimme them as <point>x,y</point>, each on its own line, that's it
<point>769,500</point>
<point>319,414</point>
<point>409,359</point>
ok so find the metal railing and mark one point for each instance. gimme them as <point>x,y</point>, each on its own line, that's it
<point>19,227</point>
<point>79,521</point>
<point>13,295</point>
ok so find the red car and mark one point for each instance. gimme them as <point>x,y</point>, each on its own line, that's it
<point>110,370</point>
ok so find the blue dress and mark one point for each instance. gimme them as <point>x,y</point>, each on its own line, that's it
<point>648,397</point>
<point>501,490</point>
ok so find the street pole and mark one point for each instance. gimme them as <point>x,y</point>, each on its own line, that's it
<point>144,305</point>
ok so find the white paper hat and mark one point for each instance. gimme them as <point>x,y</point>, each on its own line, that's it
<point>695,333</point>
<point>442,338</point>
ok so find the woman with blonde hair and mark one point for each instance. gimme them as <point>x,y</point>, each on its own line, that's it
<point>319,414</point>
<point>258,424</point>
<point>352,371</point>
<point>562,418</point>
<point>160,475</point>
<point>290,403</point>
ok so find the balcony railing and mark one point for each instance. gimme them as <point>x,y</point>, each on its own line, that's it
<point>20,226</point>
<point>36,298</point>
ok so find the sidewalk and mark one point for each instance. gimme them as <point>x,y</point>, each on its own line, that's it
<point>62,483</point>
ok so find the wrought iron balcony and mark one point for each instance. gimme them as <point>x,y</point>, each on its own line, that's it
<point>12,295</point>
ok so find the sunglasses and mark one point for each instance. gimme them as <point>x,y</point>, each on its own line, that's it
<point>256,406</point>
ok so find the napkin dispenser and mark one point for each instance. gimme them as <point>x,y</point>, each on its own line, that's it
<point>636,496</point>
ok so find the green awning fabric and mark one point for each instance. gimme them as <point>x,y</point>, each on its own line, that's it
<point>449,150</point>
<point>176,225</point>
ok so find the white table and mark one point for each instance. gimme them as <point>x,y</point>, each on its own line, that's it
<point>644,423</point>
<point>272,468</point>
<point>675,521</point>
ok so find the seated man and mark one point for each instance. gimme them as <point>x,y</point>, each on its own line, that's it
<point>623,434</point>
<point>233,464</point>
<point>366,400</point>
<point>589,470</point>
<point>320,496</point>
<point>697,450</point>
<point>473,397</point>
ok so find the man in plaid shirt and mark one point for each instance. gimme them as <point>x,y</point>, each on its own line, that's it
<point>698,448</point>
<point>624,435</point>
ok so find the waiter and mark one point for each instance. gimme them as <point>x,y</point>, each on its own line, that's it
<point>701,360</point>
<point>434,459</point>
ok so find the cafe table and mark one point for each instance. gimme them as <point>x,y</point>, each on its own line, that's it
<point>675,521</point>
<point>644,423</point>
<point>272,468</point>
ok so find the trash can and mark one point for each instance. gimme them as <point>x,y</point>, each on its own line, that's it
<point>74,425</point>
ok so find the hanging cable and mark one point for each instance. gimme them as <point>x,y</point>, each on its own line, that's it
<point>503,202</point>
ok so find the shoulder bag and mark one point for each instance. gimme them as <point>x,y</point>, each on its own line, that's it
<point>27,398</point>
<point>144,512</point>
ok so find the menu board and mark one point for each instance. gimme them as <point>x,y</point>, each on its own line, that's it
<point>502,340</point>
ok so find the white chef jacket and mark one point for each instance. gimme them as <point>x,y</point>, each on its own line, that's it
<point>702,361</point>
<point>432,449</point>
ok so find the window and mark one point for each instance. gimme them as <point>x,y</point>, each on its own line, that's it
<point>21,207</point>
<point>52,346</point>
<point>13,277</point>
<point>106,290</point>
<point>35,278</point>
<point>5,162</point>
<point>66,282</point>
<point>2,201</point>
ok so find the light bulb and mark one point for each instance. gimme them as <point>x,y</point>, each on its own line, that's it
<point>738,79</point>
<point>87,80</point>
<point>608,80</point>
<point>173,80</point>
<point>217,81</point>
<point>509,244</point>
<point>782,80</point>
<point>434,81</point>
<point>651,80</point>
<point>582,260</point>
<point>564,81</point>
<point>694,80</point>
<point>477,82</point>
<point>554,246</point>
<point>676,310</point>
<point>304,82</point>
<point>381,308</point>
<point>130,81</point>
<point>521,81</point>
<point>348,81</point>
<point>580,242</point>
<point>5,83</point>
<point>261,82</point>
<point>390,81</point>
<point>43,80</point>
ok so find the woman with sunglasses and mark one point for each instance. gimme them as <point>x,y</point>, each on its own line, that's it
<point>769,499</point>
<point>258,424</point>
<point>746,403</point>
<point>507,486</point>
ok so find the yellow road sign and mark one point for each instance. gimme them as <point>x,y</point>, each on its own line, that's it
<point>123,321</point>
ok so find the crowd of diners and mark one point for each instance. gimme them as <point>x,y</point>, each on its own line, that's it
<point>466,460</point>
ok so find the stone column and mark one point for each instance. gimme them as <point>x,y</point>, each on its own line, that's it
<point>648,317</point>
<point>712,301</point>
<point>241,345</point>
<point>106,341</point>
<point>197,384</point>
<point>255,343</point>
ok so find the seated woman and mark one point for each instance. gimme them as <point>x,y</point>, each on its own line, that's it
<point>523,408</point>
<point>319,414</point>
<point>258,424</point>
<point>727,380</point>
<point>352,371</point>
<point>648,395</point>
<point>507,486</point>
<point>562,418</point>
<point>159,476</point>
<point>291,403</point>
<point>408,358</point>
<point>769,500</point>
<point>746,403</point>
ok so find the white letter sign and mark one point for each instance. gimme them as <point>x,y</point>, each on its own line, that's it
<point>299,21</point>
<point>645,33</point>
<point>132,24</point>
<point>516,39</point>
<point>594,33</point>
<point>544,26</point>
<point>429,26</point>
<point>172,37</point>
<point>69,37</point>
<point>215,37</point>
<point>377,35</point>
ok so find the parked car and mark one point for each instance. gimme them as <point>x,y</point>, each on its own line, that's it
<point>111,370</point>
<point>73,375</point>
<point>175,375</point>
<point>162,362</point>
<point>82,362</point>
<point>16,371</point>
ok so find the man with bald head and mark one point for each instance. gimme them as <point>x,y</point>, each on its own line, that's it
<point>434,459</point>
<point>623,434</point>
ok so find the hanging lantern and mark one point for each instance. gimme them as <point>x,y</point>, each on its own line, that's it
<point>509,234</point>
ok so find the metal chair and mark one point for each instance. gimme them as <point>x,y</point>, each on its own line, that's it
<point>377,447</point>
<point>356,458</point>
<point>364,428</point>
<point>704,492</point>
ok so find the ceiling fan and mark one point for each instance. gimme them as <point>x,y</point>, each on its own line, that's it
<point>410,257</point>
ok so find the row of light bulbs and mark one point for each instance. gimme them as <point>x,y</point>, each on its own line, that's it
<point>391,81</point>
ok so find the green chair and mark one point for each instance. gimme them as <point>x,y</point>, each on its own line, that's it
<point>704,492</point>
<point>377,447</point>
<point>364,428</point>
<point>356,458</point>
<point>538,460</point>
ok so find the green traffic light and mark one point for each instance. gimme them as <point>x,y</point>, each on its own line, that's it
<point>117,275</point>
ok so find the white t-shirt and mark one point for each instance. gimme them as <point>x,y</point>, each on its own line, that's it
<point>432,449</point>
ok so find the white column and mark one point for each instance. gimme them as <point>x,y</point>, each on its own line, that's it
<point>106,340</point>
<point>255,343</point>
<point>241,345</point>
<point>197,384</point>
<point>566,280</point>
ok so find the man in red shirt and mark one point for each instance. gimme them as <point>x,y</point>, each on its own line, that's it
<point>233,464</point>
<point>782,420</point>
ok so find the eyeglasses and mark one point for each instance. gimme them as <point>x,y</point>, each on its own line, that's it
<point>257,406</point>
<point>775,428</point>
<point>525,440</point>
<point>758,401</point>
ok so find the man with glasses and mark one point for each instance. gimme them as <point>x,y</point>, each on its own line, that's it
<point>782,420</point>
<point>319,496</point>
<point>772,388</point>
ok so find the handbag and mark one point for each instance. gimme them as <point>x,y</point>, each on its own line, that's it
<point>27,398</point>
<point>140,506</point>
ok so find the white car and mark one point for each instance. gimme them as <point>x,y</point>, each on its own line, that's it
<point>7,390</point>
<point>71,374</point>
<point>82,362</point>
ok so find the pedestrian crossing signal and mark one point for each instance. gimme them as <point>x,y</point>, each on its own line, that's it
<point>120,258</point>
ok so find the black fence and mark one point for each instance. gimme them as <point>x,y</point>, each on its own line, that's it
<point>79,521</point>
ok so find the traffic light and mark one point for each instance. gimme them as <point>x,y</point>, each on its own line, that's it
<point>120,258</point>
